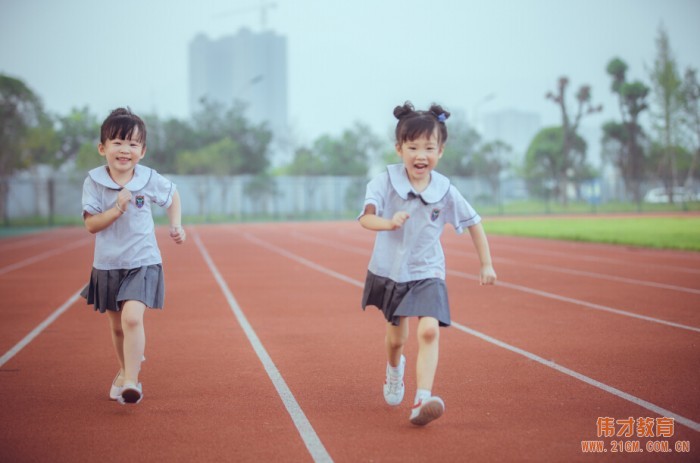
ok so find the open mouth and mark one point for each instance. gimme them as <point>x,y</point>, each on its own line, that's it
<point>420,167</point>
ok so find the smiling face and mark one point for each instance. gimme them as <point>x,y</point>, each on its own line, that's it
<point>420,157</point>
<point>122,155</point>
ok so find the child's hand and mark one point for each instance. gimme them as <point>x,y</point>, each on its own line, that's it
<point>177,233</point>
<point>123,199</point>
<point>399,219</point>
<point>488,275</point>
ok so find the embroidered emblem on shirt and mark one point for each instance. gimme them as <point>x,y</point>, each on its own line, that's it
<point>434,215</point>
<point>139,202</point>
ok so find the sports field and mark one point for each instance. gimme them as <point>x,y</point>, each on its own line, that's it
<point>581,352</point>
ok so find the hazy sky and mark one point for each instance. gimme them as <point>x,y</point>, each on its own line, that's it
<point>348,60</point>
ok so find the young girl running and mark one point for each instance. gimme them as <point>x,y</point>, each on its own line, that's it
<point>127,273</point>
<point>410,204</point>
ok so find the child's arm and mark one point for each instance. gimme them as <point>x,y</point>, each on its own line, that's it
<point>371,221</point>
<point>177,233</point>
<point>97,223</point>
<point>487,275</point>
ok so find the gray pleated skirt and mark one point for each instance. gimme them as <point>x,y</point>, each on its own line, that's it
<point>108,289</point>
<point>419,298</point>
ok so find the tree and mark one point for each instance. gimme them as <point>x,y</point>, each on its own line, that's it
<point>667,82</point>
<point>214,122</point>
<point>462,145</point>
<point>489,162</point>
<point>683,160</point>
<point>305,162</point>
<point>223,157</point>
<point>79,130</point>
<point>622,139</point>
<point>691,107</point>
<point>348,154</point>
<point>168,138</point>
<point>21,116</point>
<point>545,161</point>
<point>570,156</point>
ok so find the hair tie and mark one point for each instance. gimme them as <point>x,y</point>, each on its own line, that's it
<point>441,117</point>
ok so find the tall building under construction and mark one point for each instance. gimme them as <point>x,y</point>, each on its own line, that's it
<point>250,67</point>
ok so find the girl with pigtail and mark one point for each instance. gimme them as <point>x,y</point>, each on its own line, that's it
<point>410,203</point>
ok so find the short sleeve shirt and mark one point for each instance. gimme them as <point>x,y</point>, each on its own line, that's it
<point>130,241</point>
<point>413,252</point>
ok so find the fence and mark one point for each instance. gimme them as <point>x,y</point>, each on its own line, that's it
<point>57,199</point>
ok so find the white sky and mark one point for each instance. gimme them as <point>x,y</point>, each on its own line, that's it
<point>348,60</point>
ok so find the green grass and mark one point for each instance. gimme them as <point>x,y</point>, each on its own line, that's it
<point>670,232</point>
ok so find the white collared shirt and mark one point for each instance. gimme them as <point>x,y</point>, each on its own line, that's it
<point>413,252</point>
<point>130,241</point>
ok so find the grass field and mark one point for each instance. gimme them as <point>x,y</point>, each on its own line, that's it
<point>663,232</point>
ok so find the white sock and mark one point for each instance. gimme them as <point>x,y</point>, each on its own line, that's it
<point>395,371</point>
<point>421,394</point>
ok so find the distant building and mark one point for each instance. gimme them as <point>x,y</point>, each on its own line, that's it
<point>250,67</point>
<point>516,128</point>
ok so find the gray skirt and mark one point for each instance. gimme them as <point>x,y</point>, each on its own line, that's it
<point>108,289</point>
<point>419,298</point>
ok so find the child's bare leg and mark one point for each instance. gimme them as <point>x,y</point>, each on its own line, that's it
<point>134,339</point>
<point>396,337</point>
<point>115,324</point>
<point>428,349</point>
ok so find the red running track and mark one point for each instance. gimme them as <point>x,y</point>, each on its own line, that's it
<point>263,354</point>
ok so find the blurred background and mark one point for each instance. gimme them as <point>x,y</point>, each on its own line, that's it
<point>282,110</point>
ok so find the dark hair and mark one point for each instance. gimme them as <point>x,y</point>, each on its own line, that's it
<point>121,124</point>
<point>415,124</point>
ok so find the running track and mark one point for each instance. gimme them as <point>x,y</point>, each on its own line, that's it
<point>262,353</point>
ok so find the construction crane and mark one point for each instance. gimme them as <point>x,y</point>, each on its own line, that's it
<point>262,6</point>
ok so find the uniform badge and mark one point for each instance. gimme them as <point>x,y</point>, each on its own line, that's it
<point>435,214</point>
<point>139,202</point>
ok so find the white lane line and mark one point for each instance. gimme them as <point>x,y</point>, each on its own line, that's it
<point>525,289</point>
<point>42,256</point>
<point>616,392</point>
<point>308,434</point>
<point>603,276</point>
<point>596,275</point>
<point>594,258</point>
<point>588,305</point>
<point>36,331</point>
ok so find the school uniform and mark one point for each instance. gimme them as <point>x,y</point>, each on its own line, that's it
<point>406,273</point>
<point>127,264</point>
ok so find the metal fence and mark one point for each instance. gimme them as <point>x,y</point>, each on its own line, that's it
<point>57,199</point>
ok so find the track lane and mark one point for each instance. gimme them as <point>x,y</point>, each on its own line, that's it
<point>333,257</point>
<point>207,398</point>
<point>39,279</point>
<point>500,406</point>
<point>584,338</point>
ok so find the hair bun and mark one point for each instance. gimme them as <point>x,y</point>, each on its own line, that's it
<point>403,111</point>
<point>439,113</point>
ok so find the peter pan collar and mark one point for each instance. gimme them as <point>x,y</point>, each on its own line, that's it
<point>142,175</point>
<point>437,188</point>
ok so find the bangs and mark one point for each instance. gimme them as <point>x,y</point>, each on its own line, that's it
<point>124,128</point>
<point>416,128</point>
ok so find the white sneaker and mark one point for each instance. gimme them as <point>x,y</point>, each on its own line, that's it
<point>115,391</point>
<point>393,385</point>
<point>427,410</point>
<point>131,394</point>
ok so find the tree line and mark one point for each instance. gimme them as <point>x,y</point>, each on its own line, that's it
<point>669,153</point>
<point>219,140</point>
